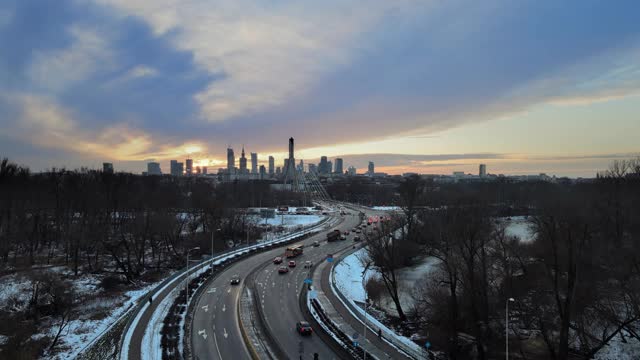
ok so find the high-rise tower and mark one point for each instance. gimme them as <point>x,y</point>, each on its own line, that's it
<point>231,161</point>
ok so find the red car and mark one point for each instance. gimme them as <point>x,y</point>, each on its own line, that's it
<point>283,270</point>
<point>292,263</point>
<point>303,328</point>
<point>277,260</point>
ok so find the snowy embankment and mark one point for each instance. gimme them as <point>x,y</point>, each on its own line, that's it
<point>519,227</point>
<point>347,278</point>
<point>386,208</point>
<point>96,313</point>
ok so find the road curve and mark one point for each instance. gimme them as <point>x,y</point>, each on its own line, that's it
<point>215,331</point>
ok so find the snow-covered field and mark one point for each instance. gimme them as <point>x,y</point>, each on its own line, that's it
<point>289,220</point>
<point>519,227</point>
<point>619,349</point>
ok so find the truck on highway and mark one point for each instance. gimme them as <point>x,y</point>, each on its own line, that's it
<point>333,235</point>
<point>294,250</point>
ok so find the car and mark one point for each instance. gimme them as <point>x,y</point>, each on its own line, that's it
<point>235,280</point>
<point>277,260</point>
<point>292,263</point>
<point>356,238</point>
<point>358,232</point>
<point>342,237</point>
<point>283,270</point>
<point>316,243</point>
<point>308,264</point>
<point>346,232</point>
<point>303,328</point>
<point>355,229</point>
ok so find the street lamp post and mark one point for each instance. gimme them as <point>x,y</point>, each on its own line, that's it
<point>186,302</point>
<point>506,326</point>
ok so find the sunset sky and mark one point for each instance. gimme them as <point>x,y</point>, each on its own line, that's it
<point>422,86</point>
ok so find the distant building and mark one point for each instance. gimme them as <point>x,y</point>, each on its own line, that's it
<point>323,166</point>
<point>107,168</point>
<point>483,170</point>
<point>301,166</point>
<point>278,171</point>
<point>458,173</point>
<point>204,170</point>
<point>371,168</point>
<point>231,161</point>
<point>351,171</point>
<point>243,163</point>
<point>153,168</point>
<point>313,168</point>
<point>339,166</point>
<point>329,167</point>
<point>177,168</point>
<point>263,172</point>
<point>272,165</point>
<point>285,167</point>
<point>254,163</point>
<point>189,166</point>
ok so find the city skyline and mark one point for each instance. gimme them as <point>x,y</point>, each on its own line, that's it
<point>525,87</point>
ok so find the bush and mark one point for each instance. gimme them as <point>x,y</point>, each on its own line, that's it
<point>111,283</point>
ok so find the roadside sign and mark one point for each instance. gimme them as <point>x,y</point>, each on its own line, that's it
<point>308,281</point>
<point>330,259</point>
<point>427,345</point>
<point>355,335</point>
<point>355,343</point>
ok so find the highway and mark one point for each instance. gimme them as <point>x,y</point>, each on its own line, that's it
<point>279,295</point>
<point>215,332</point>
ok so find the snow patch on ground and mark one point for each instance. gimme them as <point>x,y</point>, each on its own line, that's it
<point>84,330</point>
<point>289,220</point>
<point>15,292</point>
<point>518,226</point>
<point>348,276</point>
<point>620,349</point>
<point>151,342</point>
<point>386,208</point>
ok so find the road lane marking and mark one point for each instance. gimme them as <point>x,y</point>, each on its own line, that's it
<point>205,308</point>
<point>228,291</point>
<point>215,339</point>
<point>203,333</point>
<point>225,333</point>
<point>211,291</point>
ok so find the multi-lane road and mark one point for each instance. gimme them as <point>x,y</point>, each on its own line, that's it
<point>215,331</point>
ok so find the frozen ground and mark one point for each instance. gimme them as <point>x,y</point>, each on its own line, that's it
<point>519,227</point>
<point>94,315</point>
<point>619,349</point>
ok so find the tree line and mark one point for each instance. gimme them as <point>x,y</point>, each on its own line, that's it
<point>575,285</point>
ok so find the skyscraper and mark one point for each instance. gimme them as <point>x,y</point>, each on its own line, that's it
<point>254,163</point>
<point>153,168</point>
<point>301,166</point>
<point>243,163</point>
<point>278,171</point>
<point>329,167</point>
<point>205,170</point>
<point>177,168</point>
<point>107,168</point>
<point>323,167</point>
<point>189,166</point>
<point>339,166</point>
<point>263,172</point>
<point>313,168</point>
<point>371,169</point>
<point>351,171</point>
<point>483,170</point>
<point>272,164</point>
<point>231,161</point>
